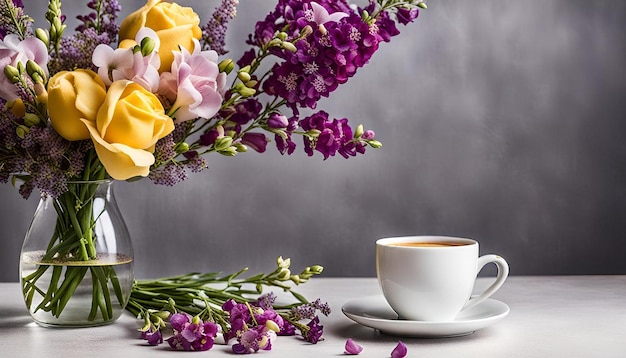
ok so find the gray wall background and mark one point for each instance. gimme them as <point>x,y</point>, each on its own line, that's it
<point>502,121</point>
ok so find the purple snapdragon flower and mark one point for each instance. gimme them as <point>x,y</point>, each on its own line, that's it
<point>154,337</point>
<point>340,42</point>
<point>314,334</point>
<point>405,16</point>
<point>335,136</point>
<point>191,334</point>
<point>254,325</point>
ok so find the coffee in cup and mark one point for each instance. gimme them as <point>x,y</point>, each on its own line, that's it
<point>431,278</point>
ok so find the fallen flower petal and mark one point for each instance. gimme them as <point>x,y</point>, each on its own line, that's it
<point>400,350</point>
<point>352,348</point>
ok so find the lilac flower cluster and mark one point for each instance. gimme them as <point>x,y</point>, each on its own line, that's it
<point>102,19</point>
<point>308,310</point>
<point>41,152</point>
<point>76,51</point>
<point>13,24</point>
<point>97,27</point>
<point>214,31</point>
<point>169,171</point>
<point>190,333</point>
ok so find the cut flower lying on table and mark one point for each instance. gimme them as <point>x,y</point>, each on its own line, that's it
<point>154,95</point>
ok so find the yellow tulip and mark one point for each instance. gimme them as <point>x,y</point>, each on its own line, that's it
<point>174,25</point>
<point>73,96</point>
<point>129,123</point>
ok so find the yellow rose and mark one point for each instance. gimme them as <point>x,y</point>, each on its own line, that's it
<point>128,124</point>
<point>174,25</point>
<point>72,96</point>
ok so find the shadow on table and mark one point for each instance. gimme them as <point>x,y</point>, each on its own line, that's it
<point>366,334</point>
<point>13,317</point>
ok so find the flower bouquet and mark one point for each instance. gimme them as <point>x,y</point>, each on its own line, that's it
<point>151,97</point>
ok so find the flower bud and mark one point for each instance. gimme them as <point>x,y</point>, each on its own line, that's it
<point>244,91</point>
<point>162,314</point>
<point>196,320</point>
<point>295,279</point>
<point>358,131</point>
<point>43,36</point>
<point>243,76</point>
<point>374,144</point>
<point>228,152</point>
<point>53,32</point>
<point>35,72</point>
<point>31,119</point>
<point>263,342</point>
<point>240,148</point>
<point>12,73</point>
<point>251,83</point>
<point>147,46</point>
<point>220,130</point>
<point>283,263</point>
<point>289,46</point>
<point>222,143</point>
<point>277,120</point>
<point>317,269</point>
<point>282,35</point>
<point>284,274</point>
<point>306,31</point>
<point>274,42</point>
<point>21,131</point>
<point>368,134</point>
<point>181,147</point>
<point>226,66</point>
<point>422,5</point>
<point>272,326</point>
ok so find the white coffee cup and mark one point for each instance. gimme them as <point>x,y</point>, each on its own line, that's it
<point>431,278</point>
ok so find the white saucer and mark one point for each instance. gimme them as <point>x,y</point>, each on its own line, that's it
<point>374,312</point>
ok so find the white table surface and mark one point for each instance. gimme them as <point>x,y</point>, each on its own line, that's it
<point>562,316</point>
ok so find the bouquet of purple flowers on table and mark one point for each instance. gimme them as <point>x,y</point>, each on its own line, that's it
<point>154,95</point>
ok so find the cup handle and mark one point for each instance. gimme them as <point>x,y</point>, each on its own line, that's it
<point>503,273</point>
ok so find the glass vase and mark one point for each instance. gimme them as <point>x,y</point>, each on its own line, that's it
<point>76,264</point>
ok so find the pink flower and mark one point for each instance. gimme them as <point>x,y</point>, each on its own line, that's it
<point>320,15</point>
<point>14,50</point>
<point>123,64</point>
<point>194,85</point>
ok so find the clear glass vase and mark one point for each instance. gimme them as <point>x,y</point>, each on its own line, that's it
<point>76,264</point>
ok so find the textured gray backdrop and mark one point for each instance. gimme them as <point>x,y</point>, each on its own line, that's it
<point>502,121</point>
